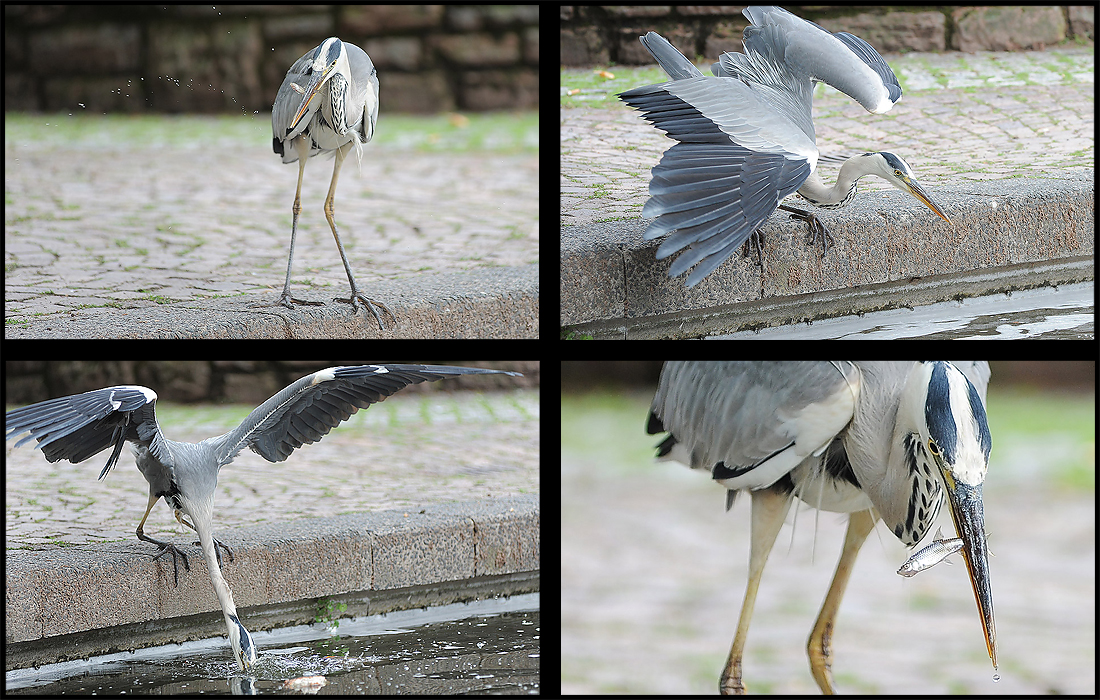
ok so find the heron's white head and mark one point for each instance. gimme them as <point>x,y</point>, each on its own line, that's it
<point>941,439</point>
<point>898,173</point>
<point>329,59</point>
<point>955,428</point>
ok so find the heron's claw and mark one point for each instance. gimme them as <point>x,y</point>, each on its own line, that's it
<point>357,296</point>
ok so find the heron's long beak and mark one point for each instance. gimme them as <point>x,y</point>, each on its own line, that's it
<point>914,188</point>
<point>308,93</point>
<point>965,504</point>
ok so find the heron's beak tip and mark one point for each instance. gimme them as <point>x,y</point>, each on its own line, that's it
<point>918,192</point>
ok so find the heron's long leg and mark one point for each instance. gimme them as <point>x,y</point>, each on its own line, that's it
<point>330,213</point>
<point>217,542</point>
<point>818,231</point>
<point>287,300</point>
<point>860,525</point>
<point>769,509</point>
<point>165,547</point>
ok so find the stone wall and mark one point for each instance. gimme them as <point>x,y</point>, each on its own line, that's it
<point>232,59</point>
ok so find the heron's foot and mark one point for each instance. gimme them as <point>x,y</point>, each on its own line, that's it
<point>357,296</point>
<point>176,552</point>
<point>289,302</point>
<point>218,543</point>
<point>818,231</point>
<point>758,237</point>
<point>755,242</point>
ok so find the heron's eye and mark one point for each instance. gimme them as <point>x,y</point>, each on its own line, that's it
<point>933,447</point>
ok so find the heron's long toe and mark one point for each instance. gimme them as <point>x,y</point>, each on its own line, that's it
<point>755,240</point>
<point>817,231</point>
<point>289,301</point>
<point>175,551</point>
<point>357,296</point>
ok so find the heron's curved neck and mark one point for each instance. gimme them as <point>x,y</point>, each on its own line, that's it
<point>244,649</point>
<point>840,194</point>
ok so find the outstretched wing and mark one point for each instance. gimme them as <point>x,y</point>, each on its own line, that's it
<point>77,427</point>
<point>308,409</point>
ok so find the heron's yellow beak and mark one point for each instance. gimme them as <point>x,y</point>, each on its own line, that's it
<point>965,504</point>
<point>309,92</point>
<point>914,188</point>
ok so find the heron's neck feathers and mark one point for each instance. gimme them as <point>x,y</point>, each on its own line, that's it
<point>843,191</point>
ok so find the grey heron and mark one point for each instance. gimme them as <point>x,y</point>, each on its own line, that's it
<point>746,136</point>
<point>875,439</point>
<point>328,103</point>
<point>185,475</point>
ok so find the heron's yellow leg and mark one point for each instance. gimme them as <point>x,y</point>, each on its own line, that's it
<point>165,548</point>
<point>769,510</point>
<point>330,214</point>
<point>860,525</point>
<point>286,300</point>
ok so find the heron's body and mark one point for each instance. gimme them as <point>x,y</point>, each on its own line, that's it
<point>185,475</point>
<point>342,113</point>
<point>876,439</point>
<point>746,135</point>
<point>327,103</point>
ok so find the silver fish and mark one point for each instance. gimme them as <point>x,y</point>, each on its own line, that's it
<point>930,556</point>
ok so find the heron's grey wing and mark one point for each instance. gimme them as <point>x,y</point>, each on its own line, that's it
<point>741,112</point>
<point>308,409</point>
<point>714,196</point>
<point>669,58</point>
<point>763,67</point>
<point>736,162</point>
<point>751,423</point>
<point>77,427</point>
<point>287,102</point>
<point>841,60</point>
<point>363,91</point>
